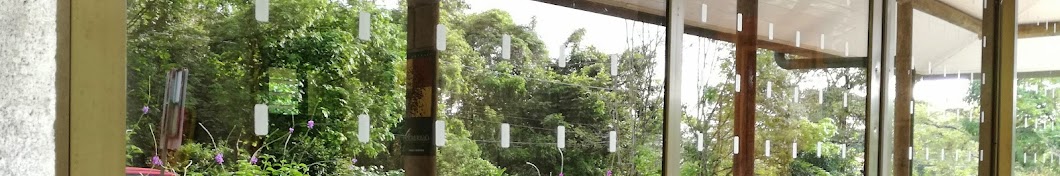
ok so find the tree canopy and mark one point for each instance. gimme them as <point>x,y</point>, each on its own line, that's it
<point>308,64</point>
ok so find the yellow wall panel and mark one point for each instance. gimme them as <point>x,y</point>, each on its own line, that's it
<point>97,87</point>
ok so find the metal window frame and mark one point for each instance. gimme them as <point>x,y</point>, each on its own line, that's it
<point>998,90</point>
<point>91,57</point>
<point>672,111</point>
<point>874,119</point>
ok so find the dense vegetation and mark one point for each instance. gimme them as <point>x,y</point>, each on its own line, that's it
<point>955,131</point>
<point>309,66</point>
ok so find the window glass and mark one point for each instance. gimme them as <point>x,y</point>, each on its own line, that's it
<point>946,59</point>
<point>810,112</point>
<point>264,87</point>
<point>707,97</point>
<point>531,87</point>
<point>1036,132</point>
<point>800,108</point>
<point>708,88</point>
<point>819,114</point>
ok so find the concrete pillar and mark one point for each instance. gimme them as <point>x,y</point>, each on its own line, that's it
<point>27,87</point>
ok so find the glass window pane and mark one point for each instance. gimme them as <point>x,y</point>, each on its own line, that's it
<point>271,88</point>
<point>946,59</point>
<point>1036,88</point>
<point>817,113</point>
<point>812,87</point>
<point>707,97</point>
<point>708,87</point>
<point>590,67</point>
<point>799,109</point>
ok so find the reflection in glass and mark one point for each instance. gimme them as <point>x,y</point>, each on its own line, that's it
<point>579,91</point>
<point>273,88</point>
<point>946,61</point>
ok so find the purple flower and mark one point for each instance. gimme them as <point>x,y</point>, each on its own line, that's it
<point>354,161</point>
<point>608,172</point>
<point>290,130</point>
<point>156,161</point>
<point>310,124</point>
<point>254,159</point>
<point>145,109</point>
<point>220,158</point>
<point>561,174</point>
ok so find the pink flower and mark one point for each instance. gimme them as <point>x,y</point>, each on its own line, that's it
<point>310,124</point>
<point>145,109</point>
<point>561,174</point>
<point>608,172</point>
<point>254,159</point>
<point>156,161</point>
<point>220,158</point>
<point>290,130</point>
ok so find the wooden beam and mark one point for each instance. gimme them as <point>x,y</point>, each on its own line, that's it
<point>998,90</point>
<point>420,95</point>
<point>1046,29</point>
<point>968,22</point>
<point>746,69</point>
<point>903,101</point>
<point>986,100</point>
<point>978,76</point>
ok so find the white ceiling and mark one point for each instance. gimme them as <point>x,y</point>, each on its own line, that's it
<point>944,46</point>
<point>1032,55</point>
<point>941,48</point>
<point>1030,11</point>
<point>948,49</point>
<point>840,23</point>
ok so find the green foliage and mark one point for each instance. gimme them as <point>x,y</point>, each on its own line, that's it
<point>307,64</point>
<point>461,156</point>
<point>958,129</point>
<point>131,150</point>
<point>198,159</point>
<point>783,117</point>
<point>1036,126</point>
